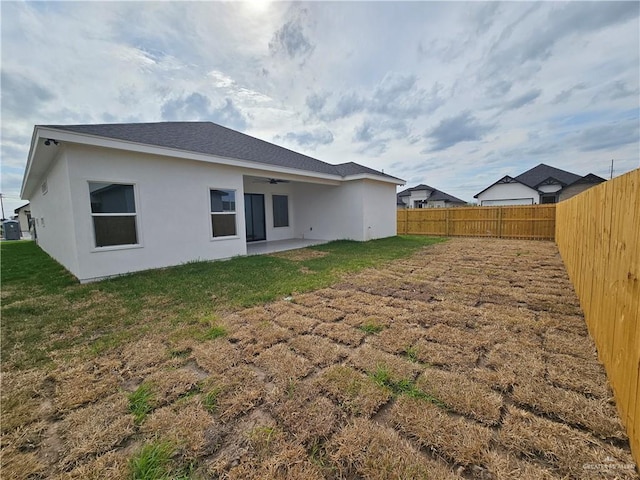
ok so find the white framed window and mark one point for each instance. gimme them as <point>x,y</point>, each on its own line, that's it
<point>223,212</point>
<point>113,211</point>
<point>280,211</point>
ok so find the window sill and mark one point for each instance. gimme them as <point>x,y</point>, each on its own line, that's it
<point>116,247</point>
<point>220,239</point>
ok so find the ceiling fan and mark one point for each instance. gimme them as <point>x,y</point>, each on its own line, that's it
<point>272,181</point>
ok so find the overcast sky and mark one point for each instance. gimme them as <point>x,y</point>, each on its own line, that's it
<point>451,94</point>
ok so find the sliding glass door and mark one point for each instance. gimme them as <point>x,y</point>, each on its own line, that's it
<point>254,217</point>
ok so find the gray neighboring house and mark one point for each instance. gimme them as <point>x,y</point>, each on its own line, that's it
<point>541,184</point>
<point>424,196</point>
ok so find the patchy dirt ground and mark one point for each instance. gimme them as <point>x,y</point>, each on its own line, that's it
<point>468,360</point>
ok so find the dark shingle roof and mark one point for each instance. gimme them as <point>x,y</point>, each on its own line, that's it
<point>534,177</point>
<point>212,139</point>
<point>589,178</point>
<point>436,194</point>
<point>422,186</point>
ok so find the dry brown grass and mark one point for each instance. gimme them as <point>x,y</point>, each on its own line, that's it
<point>462,395</point>
<point>597,415</point>
<point>340,332</point>
<point>255,337</point>
<point>143,356</point>
<point>570,344</point>
<point>397,339</point>
<point>306,300</point>
<point>18,465</point>
<point>113,465</point>
<point>369,360</point>
<point>354,392</point>
<point>307,415</point>
<point>25,397</point>
<point>183,423</point>
<point>575,373</point>
<point>95,429</point>
<point>77,385</point>
<point>561,446</point>
<point>283,365</point>
<point>523,358</point>
<point>215,356</point>
<point>169,384</point>
<point>323,313</point>
<point>296,322</point>
<point>433,353</point>
<point>319,350</point>
<point>457,439</point>
<point>365,449</point>
<point>239,390</point>
<point>262,450</point>
<point>505,466</point>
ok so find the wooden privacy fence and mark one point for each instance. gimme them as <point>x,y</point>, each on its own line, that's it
<point>535,222</point>
<point>598,235</point>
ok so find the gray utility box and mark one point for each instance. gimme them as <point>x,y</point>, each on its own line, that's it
<point>11,229</point>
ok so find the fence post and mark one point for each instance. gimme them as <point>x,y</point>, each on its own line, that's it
<point>500,222</point>
<point>446,213</point>
<point>406,221</point>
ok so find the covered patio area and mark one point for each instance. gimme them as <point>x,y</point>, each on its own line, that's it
<point>273,246</point>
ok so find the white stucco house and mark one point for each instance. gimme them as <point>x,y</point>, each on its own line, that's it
<point>541,184</point>
<point>424,196</point>
<point>117,198</point>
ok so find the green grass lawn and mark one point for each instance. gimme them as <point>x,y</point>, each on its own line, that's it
<point>46,312</point>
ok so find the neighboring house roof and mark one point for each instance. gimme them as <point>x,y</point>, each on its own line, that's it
<point>537,176</point>
<point>212,139</point>
<point>436,195</point>
<point>17,210</point>
<point>422,186</point>
<point>588,178</point>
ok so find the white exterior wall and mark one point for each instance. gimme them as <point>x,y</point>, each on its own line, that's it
<point>508,194</point>
<point>436,204</point>
<point>268,190</point>
<point>356,210</point>
<point>329,212</point>
<point>24,221</point>
<point>380,212</point>
<point>418,195</point>
<point>54,216</point>
<point>172,207</point>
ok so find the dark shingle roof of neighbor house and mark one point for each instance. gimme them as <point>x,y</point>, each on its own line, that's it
<point>212,139</point>
<point>589,178</point>
<point>435,196</point>
<point>422,186</point>
<point>535,176</point>
<point>439,195</point>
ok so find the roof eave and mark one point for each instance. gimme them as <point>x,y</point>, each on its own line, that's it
<point>379,178</point>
